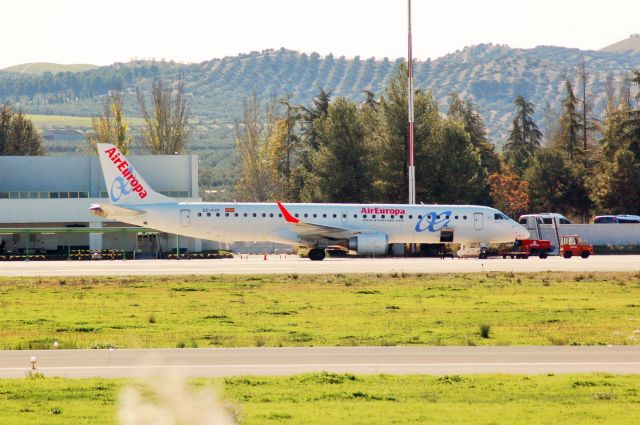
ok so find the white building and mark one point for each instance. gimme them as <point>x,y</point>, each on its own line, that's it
<point>55,193</point>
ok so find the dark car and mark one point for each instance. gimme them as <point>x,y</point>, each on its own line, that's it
<point>622,218</point>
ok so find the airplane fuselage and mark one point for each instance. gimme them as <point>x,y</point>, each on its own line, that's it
<point>265,222</point>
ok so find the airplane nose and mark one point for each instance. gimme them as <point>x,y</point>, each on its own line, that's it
<point>522,233</point>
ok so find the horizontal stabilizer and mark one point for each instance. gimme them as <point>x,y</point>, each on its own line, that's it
<point>109,211</point>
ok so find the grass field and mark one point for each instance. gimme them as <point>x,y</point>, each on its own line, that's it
<point>338,310</point>
<point>323,398</point>
<point>60,121</point>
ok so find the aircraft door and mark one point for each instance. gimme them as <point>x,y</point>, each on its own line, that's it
<point>344,216</point>
<point>478,221</point>
<point>185,218</point>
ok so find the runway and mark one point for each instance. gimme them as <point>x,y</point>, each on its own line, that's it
<point>286,361</point>
<point>287,264</point>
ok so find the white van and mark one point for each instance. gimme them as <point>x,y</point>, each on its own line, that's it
<point>545,218</point>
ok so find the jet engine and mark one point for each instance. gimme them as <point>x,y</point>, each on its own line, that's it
<point>369,243</point>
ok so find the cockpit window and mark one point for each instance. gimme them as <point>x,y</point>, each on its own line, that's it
<point>498,216</point>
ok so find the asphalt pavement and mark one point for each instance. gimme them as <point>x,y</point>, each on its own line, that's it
<point>209,362</point>
<point>288,264</point>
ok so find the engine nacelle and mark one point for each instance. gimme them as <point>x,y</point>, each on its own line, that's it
<point>369,243</point>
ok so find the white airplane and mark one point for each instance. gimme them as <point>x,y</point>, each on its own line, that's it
<point>367,229</point>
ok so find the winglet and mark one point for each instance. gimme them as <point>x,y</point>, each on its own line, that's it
<point>287,215</point>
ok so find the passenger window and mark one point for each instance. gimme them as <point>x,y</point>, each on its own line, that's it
<point>255,215</point>
<point>355,216</point>
<point>226,214</point>
<point>373,216</point>
<point>270,214</point>
<point>410,216</point>
<point>264,214</point>
<point>392,216</point>
<point>420,217</point>
<point>280,215</point>
<point>344,216</point>
<point>245,214</point>
<point>335,216</point>
<point>306,215</point>
<point>324,216</point>
<point>364,216</point>
<point>456,217</point>
<point>401,216</point>
<point>315,215</point>
<point>199,214</point>
<point>208,214</point>
<point>464,217</point>
<point>382,216</point>
<point>235,214</point>
<point>217,214</point>
<point>297,215</point>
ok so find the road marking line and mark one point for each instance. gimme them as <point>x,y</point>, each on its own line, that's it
<point>192,366</point>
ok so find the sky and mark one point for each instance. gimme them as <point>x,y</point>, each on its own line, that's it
<point>104,32</point>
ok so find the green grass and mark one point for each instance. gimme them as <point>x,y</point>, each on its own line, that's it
<point>301,310</point>
<point>323,398</point>
<point>64,121</point>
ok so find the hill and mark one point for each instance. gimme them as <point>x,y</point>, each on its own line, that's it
<point>39,68</point>
<point>631,43</point>
<point>489,75</point>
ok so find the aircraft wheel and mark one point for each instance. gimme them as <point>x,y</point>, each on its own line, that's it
<point>568,254</point>
<point>316,254</point>
<point>585,254</point>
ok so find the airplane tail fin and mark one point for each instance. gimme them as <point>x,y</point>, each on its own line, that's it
<point>124,184</point>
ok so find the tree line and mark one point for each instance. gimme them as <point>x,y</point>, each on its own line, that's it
<point>337,150</point>
<point>165,130</point>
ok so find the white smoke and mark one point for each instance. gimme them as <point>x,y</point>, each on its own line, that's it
<point>169,401</point>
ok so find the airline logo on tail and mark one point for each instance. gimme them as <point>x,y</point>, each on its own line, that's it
<point>127,182</point>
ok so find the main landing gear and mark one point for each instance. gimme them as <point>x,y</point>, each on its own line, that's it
<point>316,254</point>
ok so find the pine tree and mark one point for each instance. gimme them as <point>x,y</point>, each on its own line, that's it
<point>524,138</point>
<point>570,124</point>
<point>339,169</point>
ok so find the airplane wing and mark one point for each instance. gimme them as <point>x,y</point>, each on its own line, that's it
<point>109,210</point>
<point>313,231</point>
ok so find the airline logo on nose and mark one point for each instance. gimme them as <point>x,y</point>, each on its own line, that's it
<point>127,182</point>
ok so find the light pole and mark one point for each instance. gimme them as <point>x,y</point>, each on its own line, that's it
<point>410,156</point>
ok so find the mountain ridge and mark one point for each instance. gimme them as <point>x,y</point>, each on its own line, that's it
<point>490,75</point>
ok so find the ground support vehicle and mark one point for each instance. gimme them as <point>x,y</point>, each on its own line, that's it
<point>523,248</point>
<point>571,245</point>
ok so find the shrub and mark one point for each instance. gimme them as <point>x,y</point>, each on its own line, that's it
<point>484,330</point>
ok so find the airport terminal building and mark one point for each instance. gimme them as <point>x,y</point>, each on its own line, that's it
<point>45,200</point>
